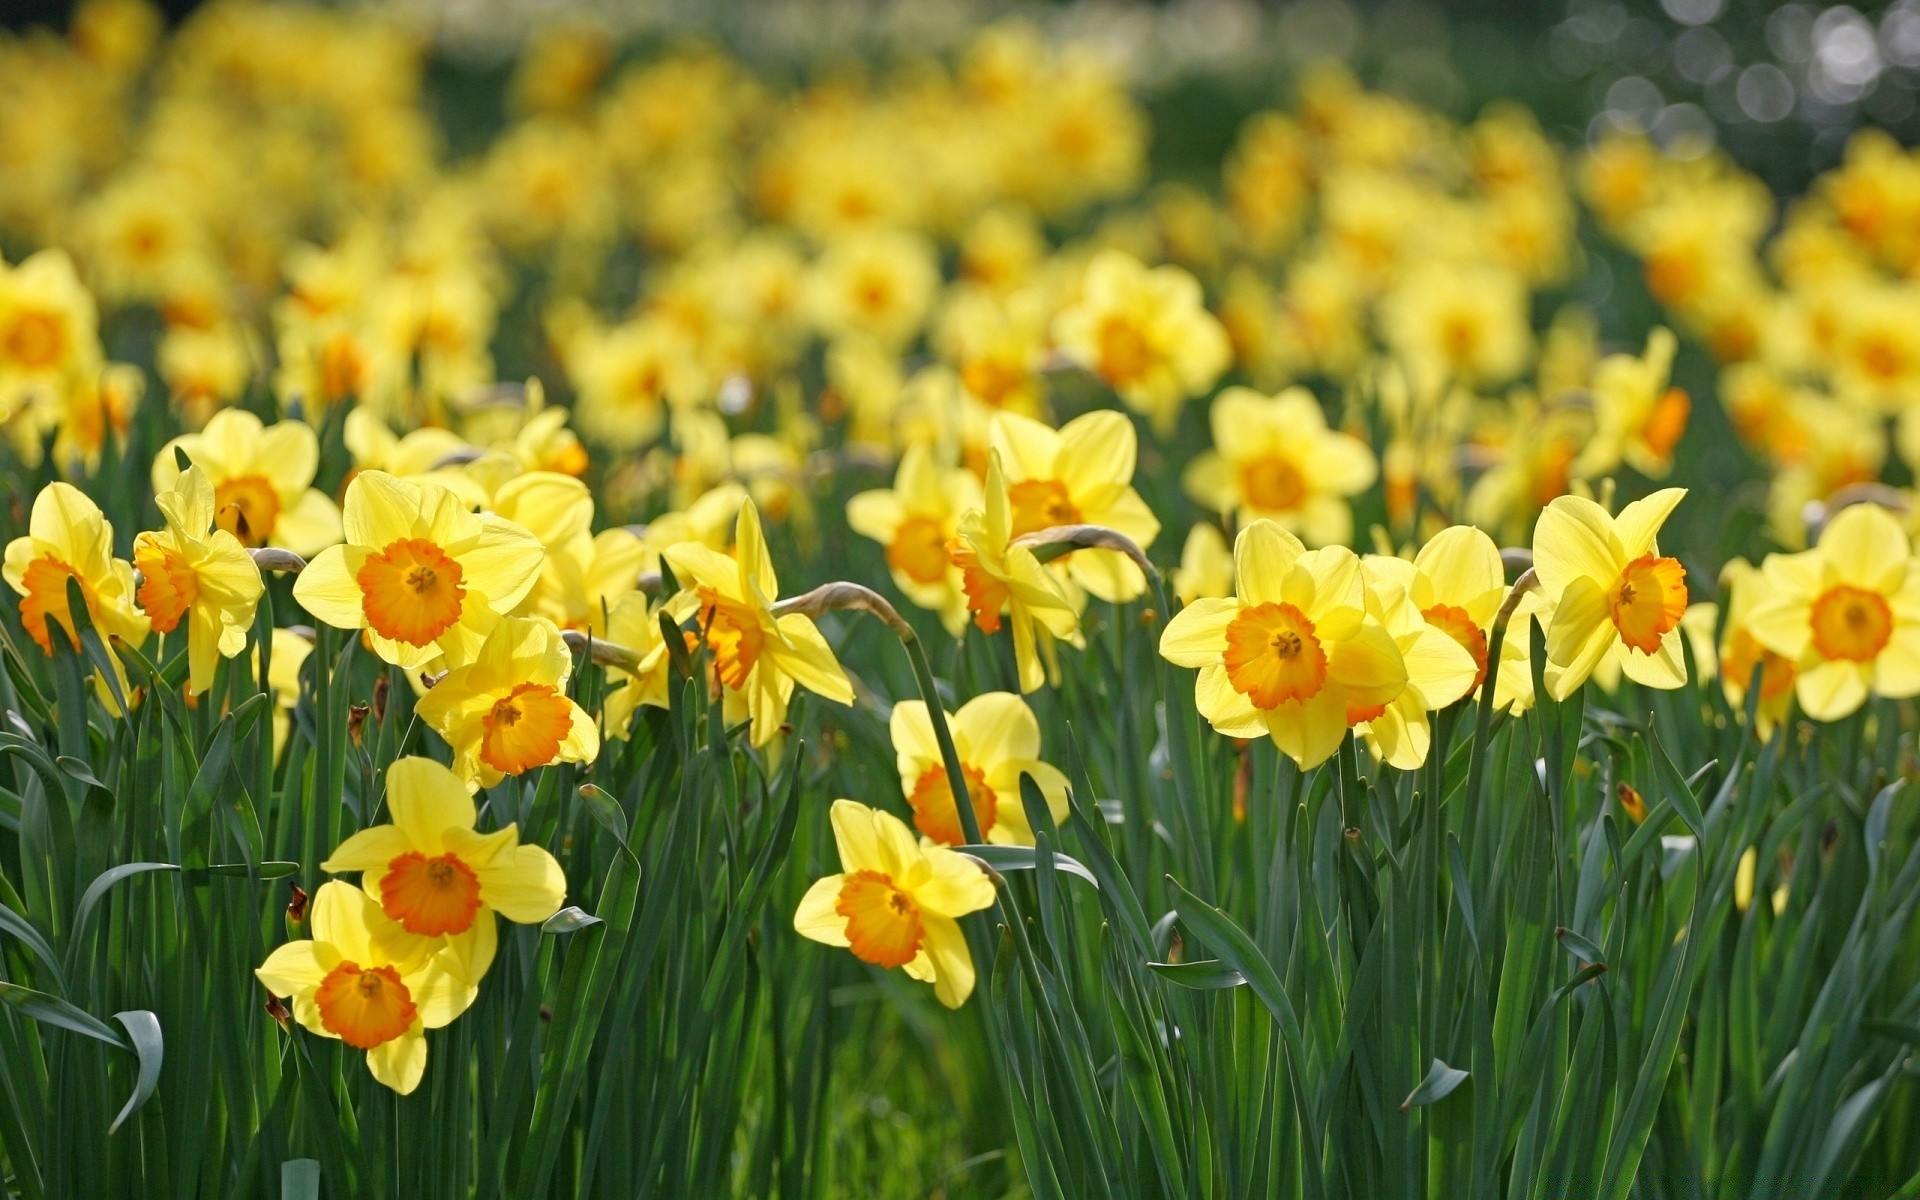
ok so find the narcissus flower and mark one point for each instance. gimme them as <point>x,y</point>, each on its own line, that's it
<point>69,538</point>
<point>1295,654</point>
<point>1274,457</point>
<point>262,480</point>
<point>1145,332</point>
<point>1740,652</point>
<point>895,902</point>
<point>1638,418</point>
<point>914,520</point>
<point>1003,579</point>
<point>998,741</point>
<point>1846,613</point>
<point>1080,475</point>
<point>1458,584</point>
<point>507,711</point>
<point>634,625</point>
<point>364,980</point>
<point>757,657</point>
<point>1441,667</point>
<point>1606,592</point>
<point>435,876</point>
<point>419,572</point>
<point>193,573</point>
<point>1206,565</point>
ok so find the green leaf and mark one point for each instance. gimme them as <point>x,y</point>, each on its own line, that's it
<point>1023,858</point>
<point>143,1030</point>
<point>1440,1083</point>
<point>1206,975</point>
<point>55,1011</point>
<point>300,1179</point>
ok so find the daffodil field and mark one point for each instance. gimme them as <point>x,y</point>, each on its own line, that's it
<point>949,616</point>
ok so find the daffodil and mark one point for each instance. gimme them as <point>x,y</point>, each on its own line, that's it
<point>1638,418</point>
<point>1607,595</point>
<point>998,741</point>
<point>757,657</point>
<point>1080,475</point>
<point>1441,668</point>
<point>421,574</point>
<point>895,903</point>
<point>507,711</point>
<point>69,538</point>
<point>194,573</point>
<point>1274,457</point>
<point>262,480</point>
<point>1295,654</point>
<point>1739,652</point>
<point>634,625</point>
<point>363,980</point>
<point>1458,584</point>
<point>1145,332</point>
<point>1000,578</point>
<point>1845,613</point>
<point>436,877</point>
<point>914,520</point>
<point>1206,565</point>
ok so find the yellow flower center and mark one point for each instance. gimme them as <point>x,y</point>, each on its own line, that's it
<point>525,728</point>
<point>246,506</point>
<point>1648,601</point>
<point>733,635</point>
<point>1273,656</point>
<point>883,922</point>
<point>342,370</point>
<point>1271,483</point>
<point>1041,504</point>
<point>1743,653</point>
<point>34,341</point>
<point>1125,355</point>
<point>1459,340</point>
<point>366,1006</point>
<point>919,550</point>
<point>1851,623</point>
<point>934,812</point>
<point>986,593</point>
<point>1456,624</point>
<point>168,586</point>
<point>411,591</point>
<point>45,581</point>
<point>430,896</point>
<point>1881,358</point>
<point>1667,422</point>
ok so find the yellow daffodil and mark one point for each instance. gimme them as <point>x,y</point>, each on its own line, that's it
<point>757,657</point>
<point>1274,457</point>
<point>435,876</point>
<point>69,538</point>
<point>1206,565</point>
<point>1845,613</point>
<point>290,651</point>
<point>262,480</point>
<point>1458,584</point>
<point>895,902</point>
<point>1145,332</point>
<point>364,980</point>
<point>193,572</point>
<point>506,710</point>
<point>1295,654</point>
<point>998,741</point>
<point>418,571</point>
<point>914,520</point>
<point>584,573</point>
<point>1441,667</point>
<point>1607,594</point>
<point>1003,579</point>
<point>634,624</point>
<point>1638,419</point>
<point>1080,475</point>
<point>1740,652</point>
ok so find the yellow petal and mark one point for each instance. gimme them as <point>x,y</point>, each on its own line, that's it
<point>956,885</point>
<point>1575,539</point>
<point>401,1062</point>
<point>1097,453</point>
<point>526,886</point>
<point>996,726</point>
<point>1829,691</point>
<point>1197,634</point>
<point>328,590</point>
<point>426,800</point>
<point>1263,557</point>
<point>369,850</point>
<point>818,916</point>
<point>1867,548</point>
<point>1580,635</point>
<point>292,968</point>
<point>952,962</point>
<point>1639,523</point>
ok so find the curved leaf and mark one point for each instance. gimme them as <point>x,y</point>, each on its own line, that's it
<point>143,1030</point>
